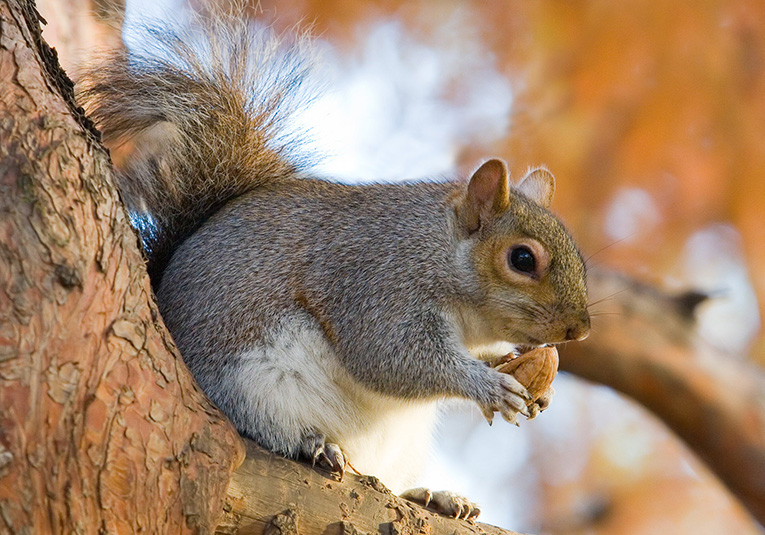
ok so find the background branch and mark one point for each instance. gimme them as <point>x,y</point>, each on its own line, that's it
<point>646,346</point>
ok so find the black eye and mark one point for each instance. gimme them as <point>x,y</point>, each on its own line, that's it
<point>522,259</point>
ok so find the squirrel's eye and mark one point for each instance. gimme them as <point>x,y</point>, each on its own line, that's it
<point>522,259</point>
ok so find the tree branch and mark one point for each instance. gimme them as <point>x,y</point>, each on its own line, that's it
<point>267,485</point>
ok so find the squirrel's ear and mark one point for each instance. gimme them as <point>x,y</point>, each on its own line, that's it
<point>539,186</point>
<point>487,194</point>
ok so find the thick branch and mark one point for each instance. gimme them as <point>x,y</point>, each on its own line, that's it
<point>646,347</point>
<point>266,485</point>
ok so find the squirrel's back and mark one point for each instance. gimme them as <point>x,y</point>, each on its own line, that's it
<point>297,242</point>
<point>202,116</point>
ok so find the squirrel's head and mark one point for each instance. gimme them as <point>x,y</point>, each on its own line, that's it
<point>530,272</point>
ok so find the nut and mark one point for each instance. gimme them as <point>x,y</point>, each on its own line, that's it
<point>534,369</point>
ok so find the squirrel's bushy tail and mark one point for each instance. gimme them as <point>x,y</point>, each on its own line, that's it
<point>202,111</point>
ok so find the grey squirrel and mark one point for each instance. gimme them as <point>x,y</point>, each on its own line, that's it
<point>324,319</point>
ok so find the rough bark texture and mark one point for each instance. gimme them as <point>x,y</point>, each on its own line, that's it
<point>270,495</point>
<point>102,429</point>
<point>647,347</point>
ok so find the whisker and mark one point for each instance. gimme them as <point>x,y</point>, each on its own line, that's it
<point>598,314</point>
<point>605,248</point>
<point>607,298</point>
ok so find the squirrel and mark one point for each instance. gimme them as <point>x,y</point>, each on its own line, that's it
<point>324,319</point>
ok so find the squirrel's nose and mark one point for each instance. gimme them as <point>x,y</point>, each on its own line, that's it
<point>580,330</point>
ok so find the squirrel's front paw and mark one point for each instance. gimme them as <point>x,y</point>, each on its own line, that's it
<point>510,399</point>
<point>444,502</point>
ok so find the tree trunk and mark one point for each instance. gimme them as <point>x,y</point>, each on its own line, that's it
<point>102,429</point>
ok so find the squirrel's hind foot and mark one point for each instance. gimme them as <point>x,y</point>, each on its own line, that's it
<point>327,454</point>
<point>444,502</point>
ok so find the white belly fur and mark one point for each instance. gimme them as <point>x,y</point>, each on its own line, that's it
<point>298,381</point>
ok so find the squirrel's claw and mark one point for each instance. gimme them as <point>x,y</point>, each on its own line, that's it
<point>512,386</point>
<point>328,455</point>
<point>331,457</point>
<point>541,404</point>
<point>419,495</point>
<point>488,414</point>
<point>512,399</point>
<point>511,417</point>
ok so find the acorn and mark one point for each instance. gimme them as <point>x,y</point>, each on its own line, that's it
<point>534,369</point>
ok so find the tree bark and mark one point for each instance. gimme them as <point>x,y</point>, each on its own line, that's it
<point>102,429</point>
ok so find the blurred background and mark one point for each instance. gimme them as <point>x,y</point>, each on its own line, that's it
<point>652,117</point>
